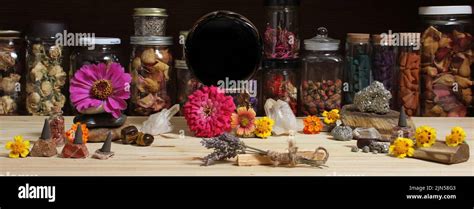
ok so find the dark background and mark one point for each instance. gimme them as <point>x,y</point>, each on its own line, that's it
<point>113,18</point>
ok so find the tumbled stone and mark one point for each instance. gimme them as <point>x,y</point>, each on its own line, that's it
<point>354,149</point>
<point>366,149</point>
<point>366,133</point>
<point>342,133</point>
<point>374,98</point>
<point>144,139</point>
<point>100,134</point>
<point>103,120</point>
<point>129,134</point>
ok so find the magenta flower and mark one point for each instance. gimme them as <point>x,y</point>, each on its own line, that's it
<point>208,112</point>
<point>96,85</point>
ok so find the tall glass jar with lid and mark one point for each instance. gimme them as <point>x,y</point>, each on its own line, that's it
<point>46,68</point>
<point>358,72</point>
<point>446,61</point>
<point>321,76</point>
<point>281,38</point>
<point>280,81</point>
<point>150,67</point>
<point>409,89</point>
<point>150,21</point>
<point>94,51</point>
<point>10,72</point>
<point>384,65</point>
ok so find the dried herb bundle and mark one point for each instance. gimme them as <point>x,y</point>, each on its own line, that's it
<point>227,146</point>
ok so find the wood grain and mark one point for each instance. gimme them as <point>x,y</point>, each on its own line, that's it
<point>171,155</point>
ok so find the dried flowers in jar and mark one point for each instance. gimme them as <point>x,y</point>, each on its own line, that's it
<point>187,83</point>
<point>358,65</point>
<point>150,21</point>
<point>446,61</point>
<point>409,78</point>
<point>46,76</point>
<point>10,72</point>
<point>321,77</point>
<point>280,81</point>
<point>281,40</point>
<point>384,65</point>
<point>151,70</point>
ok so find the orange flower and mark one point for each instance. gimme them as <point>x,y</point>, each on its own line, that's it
<point>312,125</point>
<point>71,132</point>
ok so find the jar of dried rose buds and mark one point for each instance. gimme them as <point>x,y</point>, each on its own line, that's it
<point>446,61</point>
<point>46,68</point>
<point>150,68</point>
<point>409,75</point>
<point>281,39</point>
<point>358,73</point>
<point>280,81</point>
<point>10,72</point>
<point>150,21</point>
<point>187,83</point>
<point>321,76</point>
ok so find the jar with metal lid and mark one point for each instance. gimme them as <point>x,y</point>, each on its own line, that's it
<point>150,67</point>
<point>321,76</point>
<point>187,83</point>
<point>280,81</point>
<point>46,68</point>
<point>94,51</point>
<point>384,65</point>
<point>150,21</point>
<point>358,73</point>
<point>10,72</point>
<point>446,61</point>
<point>281,39</point>
<point>408,95</point>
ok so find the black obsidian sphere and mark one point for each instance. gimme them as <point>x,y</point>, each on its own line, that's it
<point>223,45</point>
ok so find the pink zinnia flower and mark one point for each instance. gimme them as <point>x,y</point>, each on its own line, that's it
<point>208,112</point>
<point>244,121</point>
<point>96,85</point>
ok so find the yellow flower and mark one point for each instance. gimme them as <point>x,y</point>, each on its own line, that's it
<point>425,136</point>
<point>457,136</point>
<point>18,148</point>
<point>263,127</point>
<point>402,147</point>
<point>331,116</point>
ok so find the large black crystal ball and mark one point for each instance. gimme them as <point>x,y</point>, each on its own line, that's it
<point>223,45</point>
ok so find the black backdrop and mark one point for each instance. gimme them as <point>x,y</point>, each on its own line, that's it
<point>112,18</point>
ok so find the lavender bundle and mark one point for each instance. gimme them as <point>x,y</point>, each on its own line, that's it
<point>227,146</point>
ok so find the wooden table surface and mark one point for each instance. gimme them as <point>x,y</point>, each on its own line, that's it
<point>172,155</point>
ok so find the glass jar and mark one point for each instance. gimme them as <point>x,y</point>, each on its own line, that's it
<point>182,41</point>
<point>280,81</point>
<point>446,61</point>
<point>187,83</point>
<point>281,39</point>
<point>150,68</point>
<point>358,65</point>
<point>94,51</point>
<point>10,72</point>
<point>46,77</point>
<point>409,77</point>
<point>384,65</point>
<point>321,76</point>
<point>149,21</point>
<point>57,126</point>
